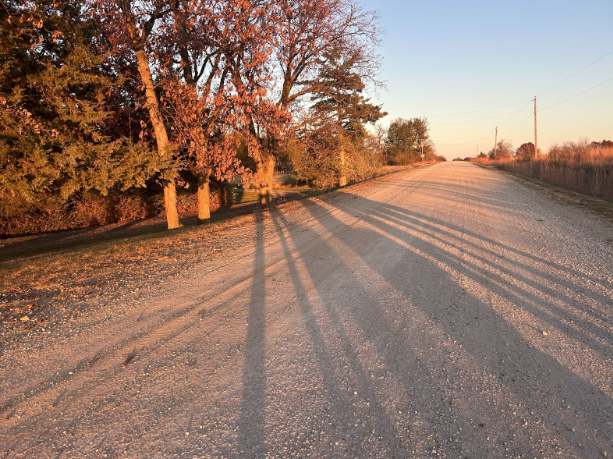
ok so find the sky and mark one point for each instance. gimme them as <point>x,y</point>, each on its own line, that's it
<point>443,57</point>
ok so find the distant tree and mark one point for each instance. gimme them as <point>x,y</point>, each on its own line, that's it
<point>406,137</point>
<point>603,144</point>
<point>376,140</point>
<point>504,149</point>
<point>401,137</point>
<point>525,152</point>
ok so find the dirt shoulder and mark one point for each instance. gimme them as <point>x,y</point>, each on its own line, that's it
<point>21,247</point>
<point>50,279</point>
<point>600,206</point>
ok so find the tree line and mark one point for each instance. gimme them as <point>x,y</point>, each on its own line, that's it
<point>106,96</point>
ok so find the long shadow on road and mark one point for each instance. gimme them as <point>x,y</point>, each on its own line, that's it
<point>342,403</point>
<point>531,376</point>
<point>252,426</point>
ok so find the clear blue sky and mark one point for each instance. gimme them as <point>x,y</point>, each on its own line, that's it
<point>443,57</point>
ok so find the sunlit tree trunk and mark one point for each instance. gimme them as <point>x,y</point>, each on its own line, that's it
<point>204,197</point>
<point>161,135</point>
<point>268,170</point>
<point>342,178</point>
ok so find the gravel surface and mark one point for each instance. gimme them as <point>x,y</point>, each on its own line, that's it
<point>447,312</point>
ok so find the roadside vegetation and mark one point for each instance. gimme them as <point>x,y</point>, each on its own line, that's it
<point>112,110</point>
<point>583,167</point>
<point>116,110</point>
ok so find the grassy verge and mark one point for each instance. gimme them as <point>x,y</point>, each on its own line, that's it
<point>600,206</point>
<point>580,167</point>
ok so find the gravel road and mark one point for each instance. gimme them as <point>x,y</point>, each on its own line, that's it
<point>446,311</point>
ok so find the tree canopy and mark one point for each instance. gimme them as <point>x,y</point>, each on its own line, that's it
<point>406,138</point>
<point>109,96</point>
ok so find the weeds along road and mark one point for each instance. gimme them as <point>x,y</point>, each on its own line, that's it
<point>447,311</point>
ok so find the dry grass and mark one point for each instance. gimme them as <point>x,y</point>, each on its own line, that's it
<point>578,167</point>
<point>63,283</point>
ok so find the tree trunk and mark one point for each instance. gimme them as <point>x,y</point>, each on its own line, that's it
<point>161,135</point>
<point>342,178</point>
<point>266,176</point>
<point>170,204</point>
<point>204,197</point>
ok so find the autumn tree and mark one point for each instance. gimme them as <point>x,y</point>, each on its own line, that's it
<point>525,151</point>
<point>262,122</point>
<point>131,24</point>
<point>308,30</point>
<point>197,38</point>
<point>304,32</point>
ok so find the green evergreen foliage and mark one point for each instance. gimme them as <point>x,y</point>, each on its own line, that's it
<point>53,119</point>
<point>405,139</point>
<point>337,123</point>
<point>340,96</point>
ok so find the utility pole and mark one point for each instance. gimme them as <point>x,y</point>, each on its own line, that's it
<point>495,142</point>
<point>536,148</point>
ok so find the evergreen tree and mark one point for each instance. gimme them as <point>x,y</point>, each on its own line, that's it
<point>53,116</point>
<point>405,139</point>
<point>340,101</point>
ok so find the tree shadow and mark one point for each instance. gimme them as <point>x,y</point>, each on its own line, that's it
<point>341,403</point>
<point>252,425</point>
<point>533,374</point>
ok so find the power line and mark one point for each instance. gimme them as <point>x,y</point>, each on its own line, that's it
<point>520,110</point>
<point>518,103</point>
<point>577,73</point>
<point>485,118</point>
<point>464,143</point>
<point>510,129</point>
<point>477,111</point>
<point>576,95</point>
<point>542,109</point>
<point>517,113</point>
<point>485,138</point>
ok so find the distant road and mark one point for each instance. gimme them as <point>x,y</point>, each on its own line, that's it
<point>446,311</point>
